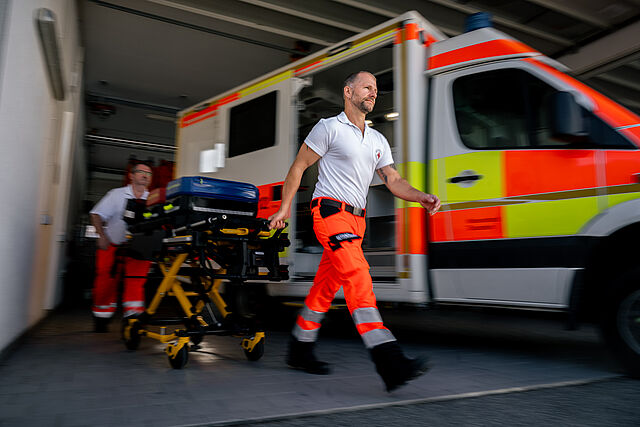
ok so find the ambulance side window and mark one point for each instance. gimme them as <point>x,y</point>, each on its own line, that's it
<point>496,109</point>
<point>252,125</point>
<point>511,109</point>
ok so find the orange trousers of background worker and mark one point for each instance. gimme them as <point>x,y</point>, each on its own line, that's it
<point>342,265</point>
<point>109,269</point>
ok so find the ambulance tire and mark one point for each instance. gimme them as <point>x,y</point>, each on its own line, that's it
<point>621,321</point>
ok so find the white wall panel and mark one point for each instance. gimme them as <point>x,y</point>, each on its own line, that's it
<point>30,163</point>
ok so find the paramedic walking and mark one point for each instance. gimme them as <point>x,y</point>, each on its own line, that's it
<point>106,217</point>
<point>348,154</point>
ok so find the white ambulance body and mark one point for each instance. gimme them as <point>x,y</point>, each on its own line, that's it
<point>537,173</point>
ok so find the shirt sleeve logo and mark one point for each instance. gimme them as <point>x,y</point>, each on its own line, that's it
<point>378,154</point>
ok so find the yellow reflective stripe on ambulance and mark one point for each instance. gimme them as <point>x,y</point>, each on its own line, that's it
<point>266,83</point>
<point>532,219</point>
<point>415,174</point>
<point>626,191</point>
<point>372,40</point>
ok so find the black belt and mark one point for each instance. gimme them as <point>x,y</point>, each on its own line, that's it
<point>333,203</point>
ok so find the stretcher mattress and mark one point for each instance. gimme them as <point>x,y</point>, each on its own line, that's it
<point>212,188</point>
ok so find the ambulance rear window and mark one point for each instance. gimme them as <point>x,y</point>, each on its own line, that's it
<point>252,125</point>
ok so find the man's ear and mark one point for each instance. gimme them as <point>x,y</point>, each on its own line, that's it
<point>346,91</point>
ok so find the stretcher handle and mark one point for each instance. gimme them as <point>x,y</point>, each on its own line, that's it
<point>265,227</point>
<point>264,224</point>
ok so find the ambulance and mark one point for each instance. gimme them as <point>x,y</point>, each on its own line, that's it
<point>539,175</point>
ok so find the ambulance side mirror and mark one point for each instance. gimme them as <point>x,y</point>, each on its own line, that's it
<point>567,119</point>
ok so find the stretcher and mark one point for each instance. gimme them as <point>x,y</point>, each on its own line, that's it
<point>201,239</point>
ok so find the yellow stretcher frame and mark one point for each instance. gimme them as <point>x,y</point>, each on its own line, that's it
<point>177,348</point>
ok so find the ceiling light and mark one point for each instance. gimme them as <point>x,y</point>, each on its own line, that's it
<point>46,23</point>
<point>129,143</point>
<point>391,116</point>
<point>369,123</point>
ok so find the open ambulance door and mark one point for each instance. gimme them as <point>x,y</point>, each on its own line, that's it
<point>322,98</point>
<point>394,244</point>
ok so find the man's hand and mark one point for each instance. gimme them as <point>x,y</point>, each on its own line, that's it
<point>399,187</point>
<point>103,242</point>
<point>277,220</point>
<point>430,202</point>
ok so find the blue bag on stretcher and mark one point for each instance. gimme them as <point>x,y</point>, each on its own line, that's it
<point>203,196</point>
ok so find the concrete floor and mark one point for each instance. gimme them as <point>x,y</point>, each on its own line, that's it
<point>63,374</point>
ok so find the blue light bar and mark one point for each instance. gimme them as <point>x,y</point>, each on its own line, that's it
<point>477,21</point>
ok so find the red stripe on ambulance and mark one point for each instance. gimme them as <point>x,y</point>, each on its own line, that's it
<point>489,49</point>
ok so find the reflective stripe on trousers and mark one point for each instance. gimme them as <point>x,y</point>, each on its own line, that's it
<point>104,311</point>
<point>132,308</point>
<point>342,265</point>
<point>369,325</point>
<point>307,325</point>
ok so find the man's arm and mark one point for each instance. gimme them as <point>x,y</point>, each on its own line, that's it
<point>103,240</point>
<point>305,158</point>
<point>399,187</point>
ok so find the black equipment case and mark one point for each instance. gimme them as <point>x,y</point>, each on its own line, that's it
<point>194,198</point>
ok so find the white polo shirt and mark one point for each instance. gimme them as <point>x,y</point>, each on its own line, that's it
<point>111,208</point>
<point>348,159</point>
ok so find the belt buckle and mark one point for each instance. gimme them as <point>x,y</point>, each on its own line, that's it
<point>357,211</point>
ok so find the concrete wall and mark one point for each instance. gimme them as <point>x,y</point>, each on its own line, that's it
<point>40,162</point>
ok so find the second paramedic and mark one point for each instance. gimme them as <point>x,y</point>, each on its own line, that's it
<point>106,217</point>
<point>348,153</point>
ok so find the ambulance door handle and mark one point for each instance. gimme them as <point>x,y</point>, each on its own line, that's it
<point>466,177</point>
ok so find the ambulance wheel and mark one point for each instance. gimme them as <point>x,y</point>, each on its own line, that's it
<point>181,358</point>
<point>257,352</point>
<point>621,322</point>
<point>131,335</point>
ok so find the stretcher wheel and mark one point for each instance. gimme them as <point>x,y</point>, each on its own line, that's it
<point>130,334</point>
<point>180,359</point>
<point>257,352</point>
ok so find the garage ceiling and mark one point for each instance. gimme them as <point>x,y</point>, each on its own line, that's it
<point>147,59</point>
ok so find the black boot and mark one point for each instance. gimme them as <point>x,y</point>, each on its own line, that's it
<point>394,367</point>
<point>101,324</point>
<point>301,357</point>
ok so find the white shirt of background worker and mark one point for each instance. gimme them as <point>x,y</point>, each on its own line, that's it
<point>109,210</point>
<point>348,153</point>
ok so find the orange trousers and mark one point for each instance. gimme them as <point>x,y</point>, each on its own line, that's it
<point>342,265</point>
<point>109,269</point>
